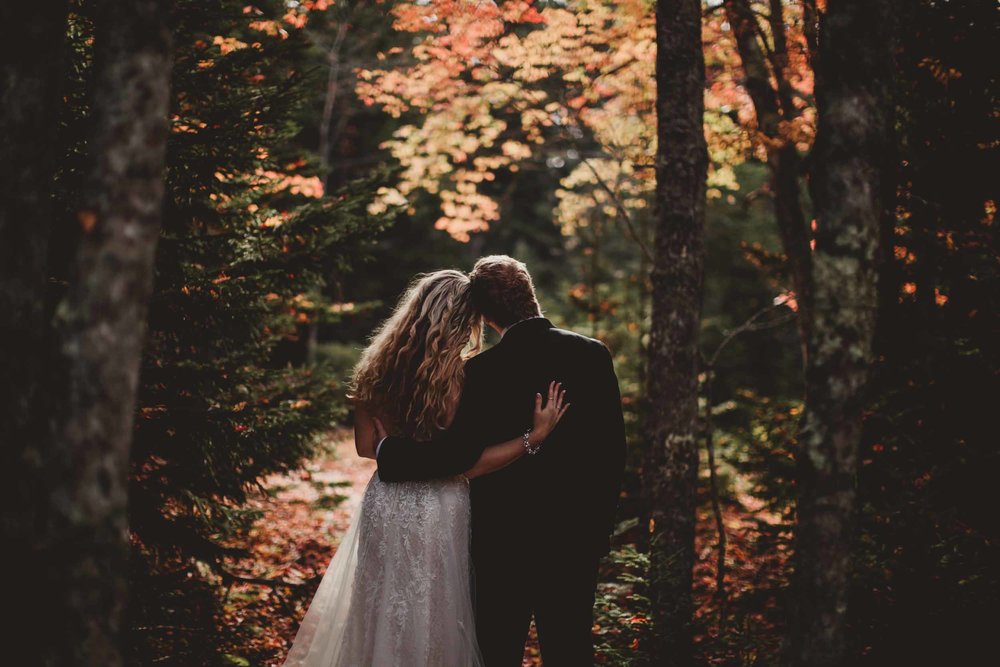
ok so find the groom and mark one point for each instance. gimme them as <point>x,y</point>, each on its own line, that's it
<point>540,525</point>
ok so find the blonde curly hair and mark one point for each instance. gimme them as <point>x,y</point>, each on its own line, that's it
<point>411,373</point>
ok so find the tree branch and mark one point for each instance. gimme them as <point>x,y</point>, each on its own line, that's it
<point>257,581</point>
<point>622,211</point>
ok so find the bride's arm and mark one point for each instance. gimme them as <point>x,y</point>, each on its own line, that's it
<point>503,454</point>
<point>499,456</point>
<point>364,432</point>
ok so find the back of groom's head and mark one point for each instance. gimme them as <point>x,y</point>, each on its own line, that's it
<point>502,290</point>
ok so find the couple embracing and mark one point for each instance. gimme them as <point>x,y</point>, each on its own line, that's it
<point>497,483</point>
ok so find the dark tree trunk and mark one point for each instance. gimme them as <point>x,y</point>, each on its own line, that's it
<point>810,29</point>
<point>670,471</point>
<point>31,72</point>
<point>855,126</point>
<point>74,465</point>
<point>772,104</point>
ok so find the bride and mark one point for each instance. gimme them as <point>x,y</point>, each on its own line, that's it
<point>398,592</point>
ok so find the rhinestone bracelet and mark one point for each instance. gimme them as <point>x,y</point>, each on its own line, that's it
<point>527,443</point>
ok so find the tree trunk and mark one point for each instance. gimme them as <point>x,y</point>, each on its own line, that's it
<point>671,468</point>
<point>854,111</point>
<point>772,103</point>
<point>74,464</point>
<point>31,72</point>
<point>333,58</point>
<point>29,105</point>
<point>32,57</point>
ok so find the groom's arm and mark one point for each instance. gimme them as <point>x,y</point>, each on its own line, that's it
<point>452,452</point>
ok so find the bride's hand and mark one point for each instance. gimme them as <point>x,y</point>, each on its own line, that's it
<point>548,416</point>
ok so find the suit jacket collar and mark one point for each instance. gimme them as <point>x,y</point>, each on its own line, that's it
<point>524,330</point>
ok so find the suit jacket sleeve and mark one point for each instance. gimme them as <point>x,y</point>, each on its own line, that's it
<point>451,453</point>
<point>610,461</point>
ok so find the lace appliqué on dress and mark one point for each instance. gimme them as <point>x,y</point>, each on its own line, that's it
<point>398,591</point>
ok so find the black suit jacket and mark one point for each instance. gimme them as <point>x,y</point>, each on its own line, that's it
<point>566,495</point>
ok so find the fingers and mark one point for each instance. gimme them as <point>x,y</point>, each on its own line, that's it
<point>547,416</point>
<point>561,405</point>
<point>554,388</point>
<point>557,399</point>
<point>555,403</point>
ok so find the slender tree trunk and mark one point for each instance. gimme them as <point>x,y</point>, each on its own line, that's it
<point>671,468</point>
<point>855,126</point>
<point>721,596</point>
<point>74,465</point>
<point>773,103</point>
<point>333,58</point>
<point>810,28</point>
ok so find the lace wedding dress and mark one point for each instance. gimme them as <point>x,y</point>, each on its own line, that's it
<point>398,591</point>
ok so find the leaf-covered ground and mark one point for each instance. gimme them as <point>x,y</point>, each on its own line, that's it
<point>305,514</point>
<point>757,552</point>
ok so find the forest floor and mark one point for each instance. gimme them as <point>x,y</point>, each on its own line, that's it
<point>304,514</point>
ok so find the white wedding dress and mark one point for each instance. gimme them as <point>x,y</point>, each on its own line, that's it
<point>398,590</point>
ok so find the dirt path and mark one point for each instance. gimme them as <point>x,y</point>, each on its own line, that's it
<point>304,515</point>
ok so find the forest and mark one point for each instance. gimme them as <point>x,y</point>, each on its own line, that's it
<point>779,216</point>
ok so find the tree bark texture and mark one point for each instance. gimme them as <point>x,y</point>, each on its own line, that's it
<point>73,466</point>
<point>854,104</point>
<point>670,471</point>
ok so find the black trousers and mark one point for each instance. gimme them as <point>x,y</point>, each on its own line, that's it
<point>558,591</point>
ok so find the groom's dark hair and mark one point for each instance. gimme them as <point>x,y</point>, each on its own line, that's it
<point>502,290</point>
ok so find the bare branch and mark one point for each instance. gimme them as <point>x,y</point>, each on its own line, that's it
<point>622,211</point>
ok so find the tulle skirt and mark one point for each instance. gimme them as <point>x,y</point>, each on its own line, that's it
<point>398,590</point>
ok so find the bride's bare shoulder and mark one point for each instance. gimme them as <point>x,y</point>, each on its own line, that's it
<point>364,429</point>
